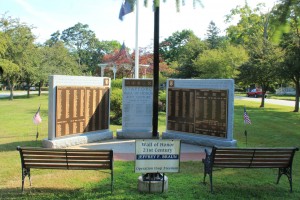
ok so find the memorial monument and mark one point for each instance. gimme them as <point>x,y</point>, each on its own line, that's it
<point>200,111</point>
<point>78,110</point>
<point>137,109</point>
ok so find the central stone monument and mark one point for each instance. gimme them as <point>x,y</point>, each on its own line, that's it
<point>137,109</point>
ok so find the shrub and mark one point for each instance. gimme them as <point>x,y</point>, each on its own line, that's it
<point>116,106</point>
<point>116,83</point>
<point>162,100</point>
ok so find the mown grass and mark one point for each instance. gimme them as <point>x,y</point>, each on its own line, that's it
<point>272,126</point>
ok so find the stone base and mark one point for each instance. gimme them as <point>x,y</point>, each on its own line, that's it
<point>155,186</point>
<point>201,140</point>
<point>134,134</point>
<point>74,140</point>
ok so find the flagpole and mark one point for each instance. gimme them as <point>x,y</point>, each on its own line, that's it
<point>136,69</point>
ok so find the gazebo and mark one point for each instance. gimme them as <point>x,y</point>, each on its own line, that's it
<point>117,60</point>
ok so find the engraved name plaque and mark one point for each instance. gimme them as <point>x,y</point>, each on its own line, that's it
<point>199,111</point>
<point>81,109</point>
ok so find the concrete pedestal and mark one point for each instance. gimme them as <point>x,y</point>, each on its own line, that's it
<point>152,186</point>
<point>74,140</point>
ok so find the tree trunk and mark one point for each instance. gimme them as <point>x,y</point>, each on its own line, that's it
<point>11,87</point>
<point>28,88</point>
<point>297,96</point>
<point>40,87</point>
<point>262,104</point>
<point>264,91</point>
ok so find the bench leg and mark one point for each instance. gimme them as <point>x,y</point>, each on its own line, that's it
<point>112,182</point>
<point>208,170</point>
<point>210,180</point>
<point>25,172</point>
<point>288,173</point>
<point>23,177</point>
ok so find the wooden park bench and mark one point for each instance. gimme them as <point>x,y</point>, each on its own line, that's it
<point>65,159</point>
<point>226,157</point>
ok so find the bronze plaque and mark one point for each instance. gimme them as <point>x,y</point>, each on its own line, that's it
<point>81,109</point>
<point>138,83</point>
<point>200,111</point>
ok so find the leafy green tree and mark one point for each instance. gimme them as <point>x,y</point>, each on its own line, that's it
<point>287,22</point>
<point>263,65</point>
<point>171,48</point>
<point>190,51</point>
<point>81,41</point>
<point>221,62</point>
<point>55,37</point>
<point>56,59</point>
<point>291,66</point>
<point>19,40</point>
<point>251,24</point>
<point>3,44</point>
<point>254,31</point>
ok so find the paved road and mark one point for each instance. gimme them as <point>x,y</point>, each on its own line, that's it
<point>268,101</point>
<point>6,94</point>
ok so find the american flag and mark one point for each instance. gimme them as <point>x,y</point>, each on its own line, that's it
<point>246,117</point>
<point>37,117</point>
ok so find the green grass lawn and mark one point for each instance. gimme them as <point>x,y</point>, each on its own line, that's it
<point>272,126</point>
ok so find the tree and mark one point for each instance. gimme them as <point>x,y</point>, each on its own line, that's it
<point>81,42</point>
<point>287,13</point>
<point>19,41</point>
<point>213,37</point>
<point>254,31</point>
<point>171,48</point>
<point>251,24</point>
<point>55,37</point>
<point>56,59</point>
<point>221,62</point>
<point>262,67</point>
<point>190,51</point>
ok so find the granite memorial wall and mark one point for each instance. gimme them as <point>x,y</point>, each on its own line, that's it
<point>200,111</point>
<point>78,110</point>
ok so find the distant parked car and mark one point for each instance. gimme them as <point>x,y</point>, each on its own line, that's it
<point>32,88</point>
<point>255,93</point>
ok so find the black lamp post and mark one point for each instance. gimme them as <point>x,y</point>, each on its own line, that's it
<point>155,72</point>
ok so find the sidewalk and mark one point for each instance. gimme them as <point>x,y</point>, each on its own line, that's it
<point>125,149</point>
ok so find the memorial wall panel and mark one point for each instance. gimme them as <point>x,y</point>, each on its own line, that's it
<point>137,105</point>
<point>81,109</point>
<point>200,111</point>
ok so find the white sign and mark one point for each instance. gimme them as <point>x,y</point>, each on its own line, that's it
<point>152,156</point>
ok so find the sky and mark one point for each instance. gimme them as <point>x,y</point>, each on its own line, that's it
<point>102,16</point>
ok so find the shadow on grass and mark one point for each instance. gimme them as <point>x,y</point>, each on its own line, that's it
<point>99,191</point>
<point>254,191</point>
<point>13,145</point>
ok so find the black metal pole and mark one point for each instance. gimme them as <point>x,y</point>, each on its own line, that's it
<point>155,73</point>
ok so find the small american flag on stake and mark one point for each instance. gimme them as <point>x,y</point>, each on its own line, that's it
<point>246,117</point>
<point>37,117</point>
<point>36,120</point>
